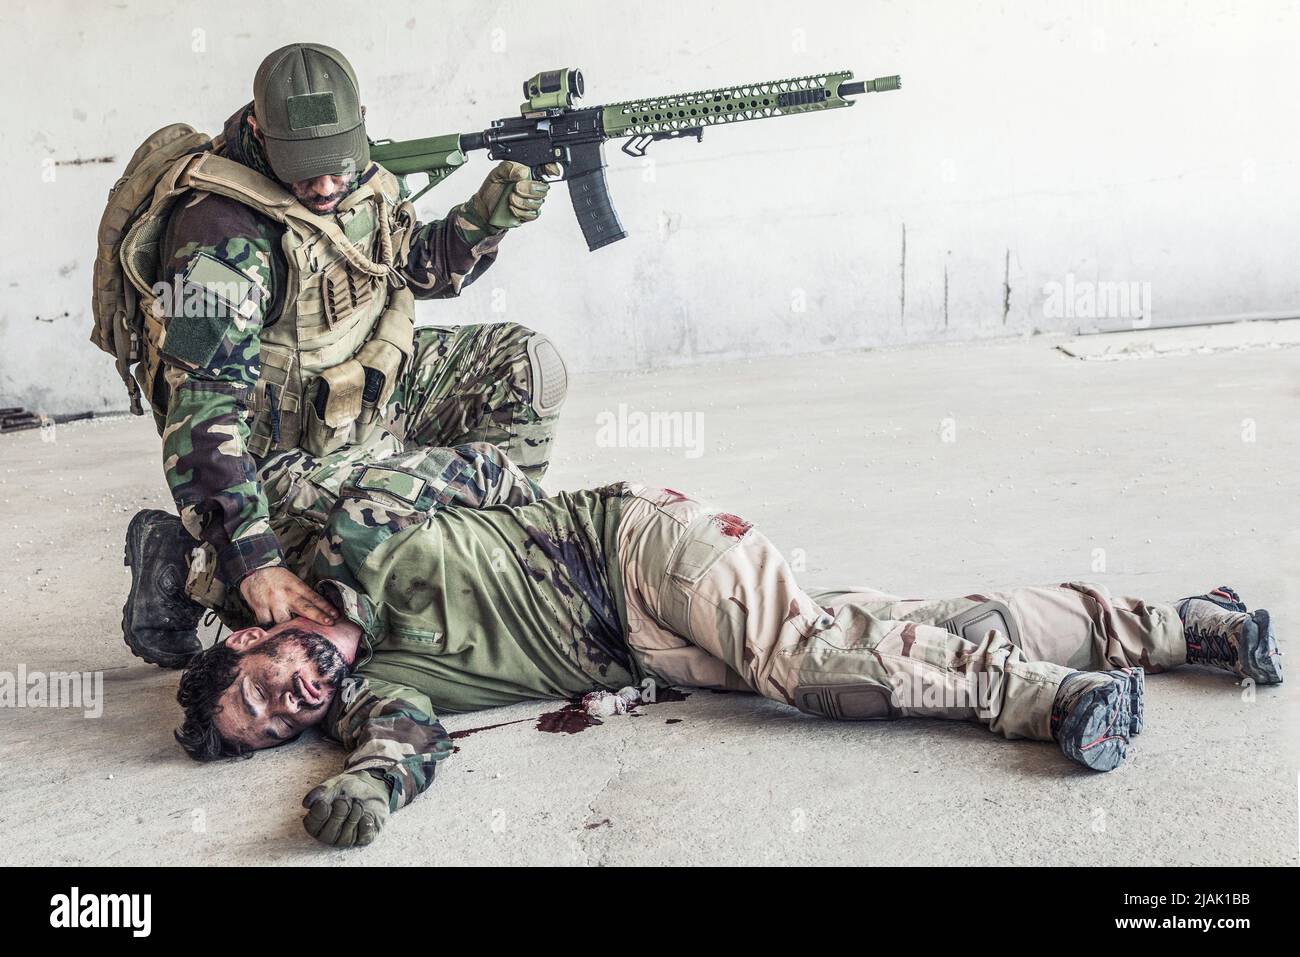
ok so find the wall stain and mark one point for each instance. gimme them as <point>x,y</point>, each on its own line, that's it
<point>902,279</point>
<point>1006,288</point>
<point>87,161</point>
<point>945,293</point>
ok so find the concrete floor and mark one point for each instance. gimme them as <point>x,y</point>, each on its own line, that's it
<point>841,459</point>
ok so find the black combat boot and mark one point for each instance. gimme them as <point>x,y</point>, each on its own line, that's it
<point>159,621</point>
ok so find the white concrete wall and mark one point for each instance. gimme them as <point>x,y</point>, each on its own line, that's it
<point>1150,143</point>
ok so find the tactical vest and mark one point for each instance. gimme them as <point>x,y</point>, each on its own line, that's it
<point>329,363</point>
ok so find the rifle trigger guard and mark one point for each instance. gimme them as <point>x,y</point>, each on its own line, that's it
<point>542,178</point>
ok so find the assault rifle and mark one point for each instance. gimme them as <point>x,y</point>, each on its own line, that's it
<point>550,130</point>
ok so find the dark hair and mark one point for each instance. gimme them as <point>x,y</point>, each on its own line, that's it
<point>208,674</point>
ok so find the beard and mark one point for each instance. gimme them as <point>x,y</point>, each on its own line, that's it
<point>322,204</point>
<point>319,650</point>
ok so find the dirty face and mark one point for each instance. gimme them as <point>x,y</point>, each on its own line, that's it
<point>284,683</point>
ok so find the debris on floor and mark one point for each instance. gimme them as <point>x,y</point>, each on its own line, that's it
<point>1184,340</point>
<point>16,419</point>
<point>605,704</point>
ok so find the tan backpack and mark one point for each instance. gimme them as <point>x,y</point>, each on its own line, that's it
<point>119,318</point>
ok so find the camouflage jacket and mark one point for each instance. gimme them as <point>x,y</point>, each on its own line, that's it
<point>211,473</point>
<point>472,591</point>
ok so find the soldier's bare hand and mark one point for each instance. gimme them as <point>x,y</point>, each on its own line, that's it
<point>276,594</point>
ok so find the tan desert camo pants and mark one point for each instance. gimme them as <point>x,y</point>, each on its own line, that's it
<point>712,603</point>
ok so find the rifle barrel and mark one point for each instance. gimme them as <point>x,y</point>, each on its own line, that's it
<point>732,104</point>
<point>880,84</point>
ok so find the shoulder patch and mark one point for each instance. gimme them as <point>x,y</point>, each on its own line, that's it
<point>222,287</point>
<point>215,300</point>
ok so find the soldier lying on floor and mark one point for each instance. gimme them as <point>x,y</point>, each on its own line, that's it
<point>460,587</point>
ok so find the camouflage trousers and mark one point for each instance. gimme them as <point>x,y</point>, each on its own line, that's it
<point>463,384</point>
<point>711,603</point>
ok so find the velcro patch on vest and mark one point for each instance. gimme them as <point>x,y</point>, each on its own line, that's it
<point>212,296</point>
<point>360,226</point>
<point>401,485</point>
<point>224,291</point>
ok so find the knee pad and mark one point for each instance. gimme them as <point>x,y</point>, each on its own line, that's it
<point>974,623</point>
<point>848,702</point>
<point>550,379</point>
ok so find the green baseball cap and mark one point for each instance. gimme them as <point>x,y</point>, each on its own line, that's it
<point>309,111</point>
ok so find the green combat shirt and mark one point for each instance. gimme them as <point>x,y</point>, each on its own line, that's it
<point>472,592</point>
